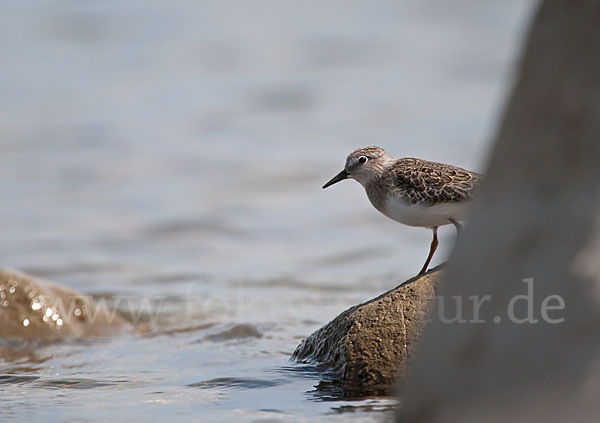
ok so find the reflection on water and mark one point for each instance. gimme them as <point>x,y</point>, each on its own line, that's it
<point>236,332</point>
<point>21,357</point>
<point>9,379</point>
<point>72,384</point>
<point>167,159</point>
<point>242,383</point>
<point>369,406</point>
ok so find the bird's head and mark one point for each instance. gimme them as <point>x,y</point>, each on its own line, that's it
<point>363,165</point>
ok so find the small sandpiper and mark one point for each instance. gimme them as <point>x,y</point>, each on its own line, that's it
<point>412,191</point>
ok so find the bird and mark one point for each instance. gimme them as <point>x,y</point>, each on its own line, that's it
<point>412,191</point>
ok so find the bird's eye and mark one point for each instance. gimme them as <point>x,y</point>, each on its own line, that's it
<point>362,159</point>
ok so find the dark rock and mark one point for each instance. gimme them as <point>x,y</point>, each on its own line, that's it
<point>368,346</point>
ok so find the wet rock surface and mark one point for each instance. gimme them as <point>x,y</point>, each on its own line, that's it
<point>368,346</point>
<point>36,309</point>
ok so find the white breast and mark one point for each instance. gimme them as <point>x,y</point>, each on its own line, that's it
<point>425,216</point>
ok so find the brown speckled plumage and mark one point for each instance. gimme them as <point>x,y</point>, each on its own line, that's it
<point>417,181</point>
<point>428,183</point>
<point>412,191</point>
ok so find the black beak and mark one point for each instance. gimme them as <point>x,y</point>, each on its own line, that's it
<point>339,177</point>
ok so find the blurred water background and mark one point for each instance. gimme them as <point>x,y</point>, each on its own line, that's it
<point>174,153</point>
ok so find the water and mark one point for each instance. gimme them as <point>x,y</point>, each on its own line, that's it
<point>173,154</point>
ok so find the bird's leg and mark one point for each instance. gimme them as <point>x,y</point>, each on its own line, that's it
<point>457,225</point>
<point>434,244</point>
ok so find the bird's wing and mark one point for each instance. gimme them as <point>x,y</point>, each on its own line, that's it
<point>425,182</point>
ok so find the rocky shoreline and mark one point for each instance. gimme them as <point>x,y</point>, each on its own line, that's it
<point>367,347</point>
<point>36,309</point>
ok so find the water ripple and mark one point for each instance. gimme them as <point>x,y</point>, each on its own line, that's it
<point>238,382</point>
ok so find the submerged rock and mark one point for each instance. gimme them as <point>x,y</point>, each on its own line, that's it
<point>369,345</point>
<point>36,309</point>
